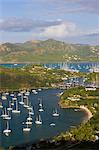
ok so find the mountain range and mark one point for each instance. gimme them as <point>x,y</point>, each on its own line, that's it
<point>47,51</point>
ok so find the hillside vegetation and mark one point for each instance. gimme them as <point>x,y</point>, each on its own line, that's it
<point>33,76</point>
<point>47,51</point>
<point>89,130</point>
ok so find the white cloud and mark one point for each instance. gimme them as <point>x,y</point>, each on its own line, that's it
<point>60,31</point>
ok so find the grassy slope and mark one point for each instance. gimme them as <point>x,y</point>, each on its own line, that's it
<point>47,51</point>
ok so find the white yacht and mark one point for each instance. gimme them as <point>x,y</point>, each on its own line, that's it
<point>7,131</point>
<point>38,120</point>
<point>34,91</point>
<point>29,118</point>
<point>12,94</point>
<point>14,98</point>
<point>15,64</point>
<point>52,124</point>
<point>31,111</point>
<point>19,94</point>
<point>16,109</point>
<point>41,109</point>
<point>9,108</point>
<point>55,113</point>
<point>39,89</point>
<point>29,122</point>
<point>22,100</point>
<point>26,102</point>
<point>7,93</point>
<point>8,117</point>
<point>4,113</point>
<point>30,106</point>
<point>27,93</point>
<point>40,102</point>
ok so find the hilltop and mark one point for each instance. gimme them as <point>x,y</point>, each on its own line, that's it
<point>47,51</point>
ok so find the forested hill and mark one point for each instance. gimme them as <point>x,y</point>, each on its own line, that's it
<point>47,51</point>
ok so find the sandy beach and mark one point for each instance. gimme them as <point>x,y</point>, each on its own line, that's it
<point>82,108</point>
<point>87,111</point>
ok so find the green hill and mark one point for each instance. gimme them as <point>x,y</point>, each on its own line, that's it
<point>47,51</point>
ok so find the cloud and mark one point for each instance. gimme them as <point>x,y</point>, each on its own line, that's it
<point>70,6</point>
<point>25,25</point>
<point>90,5</point>
<point>65,30</point>
<point>60,31</point>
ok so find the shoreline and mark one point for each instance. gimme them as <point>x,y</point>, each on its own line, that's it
<point>36,62</point>
<point>83,108</point>
<point>88,113</point>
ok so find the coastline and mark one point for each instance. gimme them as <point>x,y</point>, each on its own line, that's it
<point>89,114</point>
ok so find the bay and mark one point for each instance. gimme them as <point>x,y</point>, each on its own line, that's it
<point>50,98</point>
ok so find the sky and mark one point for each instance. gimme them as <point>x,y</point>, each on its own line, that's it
<point>72,21</point>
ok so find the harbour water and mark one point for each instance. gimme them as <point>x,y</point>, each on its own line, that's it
<point>50,98</point>
<point>80,66</point>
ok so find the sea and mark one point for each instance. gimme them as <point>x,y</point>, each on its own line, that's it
<point>80,66</point>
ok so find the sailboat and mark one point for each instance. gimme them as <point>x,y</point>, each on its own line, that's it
<point>30,106</point>
<point>29,118</point>
<point>41,109</point>
<point>40,102</point>
<point>12,102</point>
<point>39,89</point>
<point>29,122</point>
<point>4,97</point>
<point>26,105</point>
<point>27,93</point>
<point>8,117</point>
<point>31,111</point>
<point>34,91</point>
<point>12,94</point>
<point>16,109</point>
<point>22,100</point>
<point>1,106</point>
<point>14,98</point>
<point>9,108</point>
<point>4,113</point>
<point>19,94</point>
<point>7,131</point>
<point>38,120</point>
<point>27,129</point>
<point>52,124</point>
<point>7,93</point>
<point>55,113</point>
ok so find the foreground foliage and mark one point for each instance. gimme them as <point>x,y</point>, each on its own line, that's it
<point>90,130</point>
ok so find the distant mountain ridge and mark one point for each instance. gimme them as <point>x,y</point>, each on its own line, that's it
<point>47,51</point>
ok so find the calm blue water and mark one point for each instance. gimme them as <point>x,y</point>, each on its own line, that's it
<point>82,67</point>
<point>67,118</point>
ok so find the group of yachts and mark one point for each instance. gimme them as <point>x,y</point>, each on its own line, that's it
<point>13,108</point>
